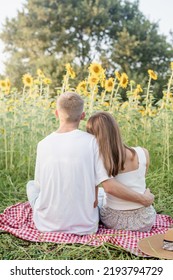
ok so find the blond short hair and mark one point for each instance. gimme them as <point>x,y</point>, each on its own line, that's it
<point>70,104</point>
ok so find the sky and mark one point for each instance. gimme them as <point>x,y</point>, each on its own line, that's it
<point>160,11</point>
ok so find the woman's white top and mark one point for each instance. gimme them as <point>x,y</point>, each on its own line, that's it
<point>135,180</point>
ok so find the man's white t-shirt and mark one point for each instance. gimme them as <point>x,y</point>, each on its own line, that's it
<point>68,168</point>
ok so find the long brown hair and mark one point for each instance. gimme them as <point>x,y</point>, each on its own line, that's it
<point>105,128</point>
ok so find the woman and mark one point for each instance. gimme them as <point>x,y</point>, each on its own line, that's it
<point>129,166</point>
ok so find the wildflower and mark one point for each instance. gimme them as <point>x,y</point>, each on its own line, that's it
<point>95,69</point>
<point>124,80</point>
<point>109,84</point>
<point>118,75</point>
<point>47,81</point>
<point>70,71</point>
<point>40,73</point>
<point>152,74</point>
<point>27,80</point>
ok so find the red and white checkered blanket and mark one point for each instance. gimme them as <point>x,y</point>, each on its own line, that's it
<point>17,220</point>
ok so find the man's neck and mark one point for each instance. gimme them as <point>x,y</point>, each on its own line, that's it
<point>67,127</point>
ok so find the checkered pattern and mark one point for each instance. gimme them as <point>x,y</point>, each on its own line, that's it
<point>17,220</point>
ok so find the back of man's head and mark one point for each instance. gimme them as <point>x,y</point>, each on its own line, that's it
<point>70,106</point>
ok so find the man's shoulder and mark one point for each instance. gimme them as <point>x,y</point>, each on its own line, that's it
<point>45,139</point>
<point>88,136</point>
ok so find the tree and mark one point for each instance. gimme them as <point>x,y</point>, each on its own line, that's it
<point>47,34</point>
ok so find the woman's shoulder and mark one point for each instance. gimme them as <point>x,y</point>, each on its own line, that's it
<point>145,153</point>
<point>139,148</point>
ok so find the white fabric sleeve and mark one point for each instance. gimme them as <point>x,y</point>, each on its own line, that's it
<point>100,171</point>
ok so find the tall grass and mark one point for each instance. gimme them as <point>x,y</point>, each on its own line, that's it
<point>27,117</point>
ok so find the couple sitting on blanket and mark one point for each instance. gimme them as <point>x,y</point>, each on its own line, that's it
<point>71,164</point>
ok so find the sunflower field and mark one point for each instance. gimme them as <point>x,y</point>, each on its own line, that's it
<point>27,116</point>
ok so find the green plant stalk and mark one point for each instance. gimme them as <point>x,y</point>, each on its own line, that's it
<point>112,94</point>
<point>5,149</point>
<point>147,95</point>
<point>92,101</point>
<point>115,95</point>
<point>103,97</point>
<point>29,161</point>
<point>166,136</point>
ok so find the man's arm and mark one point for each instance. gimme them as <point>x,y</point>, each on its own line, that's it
<point>96,196</point>
<point>115,188</point>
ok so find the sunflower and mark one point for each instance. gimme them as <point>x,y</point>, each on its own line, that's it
<point>40,73</point>
<point>102,78</point>
<point>82,87</point>
<point>2,84</point>
<point>167,95</point>
<point>118,75</point>
<point>109,84</point>
<point>36,82</point>
<point>95,69</point>
<point>152,74</point>
<point>8,84</point>
<point>93,80</point>
<point>138,88</point>
<point>70,71</point>
<point>171,65</point>
<point>27,80</point>
<point>124,105</point>
<point>124,80</point>
<point>106,104</point>
<point>47,81</point>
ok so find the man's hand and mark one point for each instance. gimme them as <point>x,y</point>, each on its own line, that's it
<point>148,198</point>
<point>95,203</point>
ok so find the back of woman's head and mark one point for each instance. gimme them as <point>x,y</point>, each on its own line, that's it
<point>104,127</point>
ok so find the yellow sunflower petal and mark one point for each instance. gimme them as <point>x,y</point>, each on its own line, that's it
<point>152,74</point>
<point>27,80</point>
<point>124,80</point>
<point>109,84</point>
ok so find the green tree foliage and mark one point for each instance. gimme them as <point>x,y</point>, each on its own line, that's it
<point>47,34</point>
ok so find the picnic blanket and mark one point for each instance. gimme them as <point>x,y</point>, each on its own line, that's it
<point>17,220</point>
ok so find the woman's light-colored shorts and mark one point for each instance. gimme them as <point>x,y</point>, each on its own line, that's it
<point>141,219</point>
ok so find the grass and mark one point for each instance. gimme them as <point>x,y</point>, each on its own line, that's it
<point>26,119</point>
<point>12,190</point>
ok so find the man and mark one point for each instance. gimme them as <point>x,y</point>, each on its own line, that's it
<point>68,168</point>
